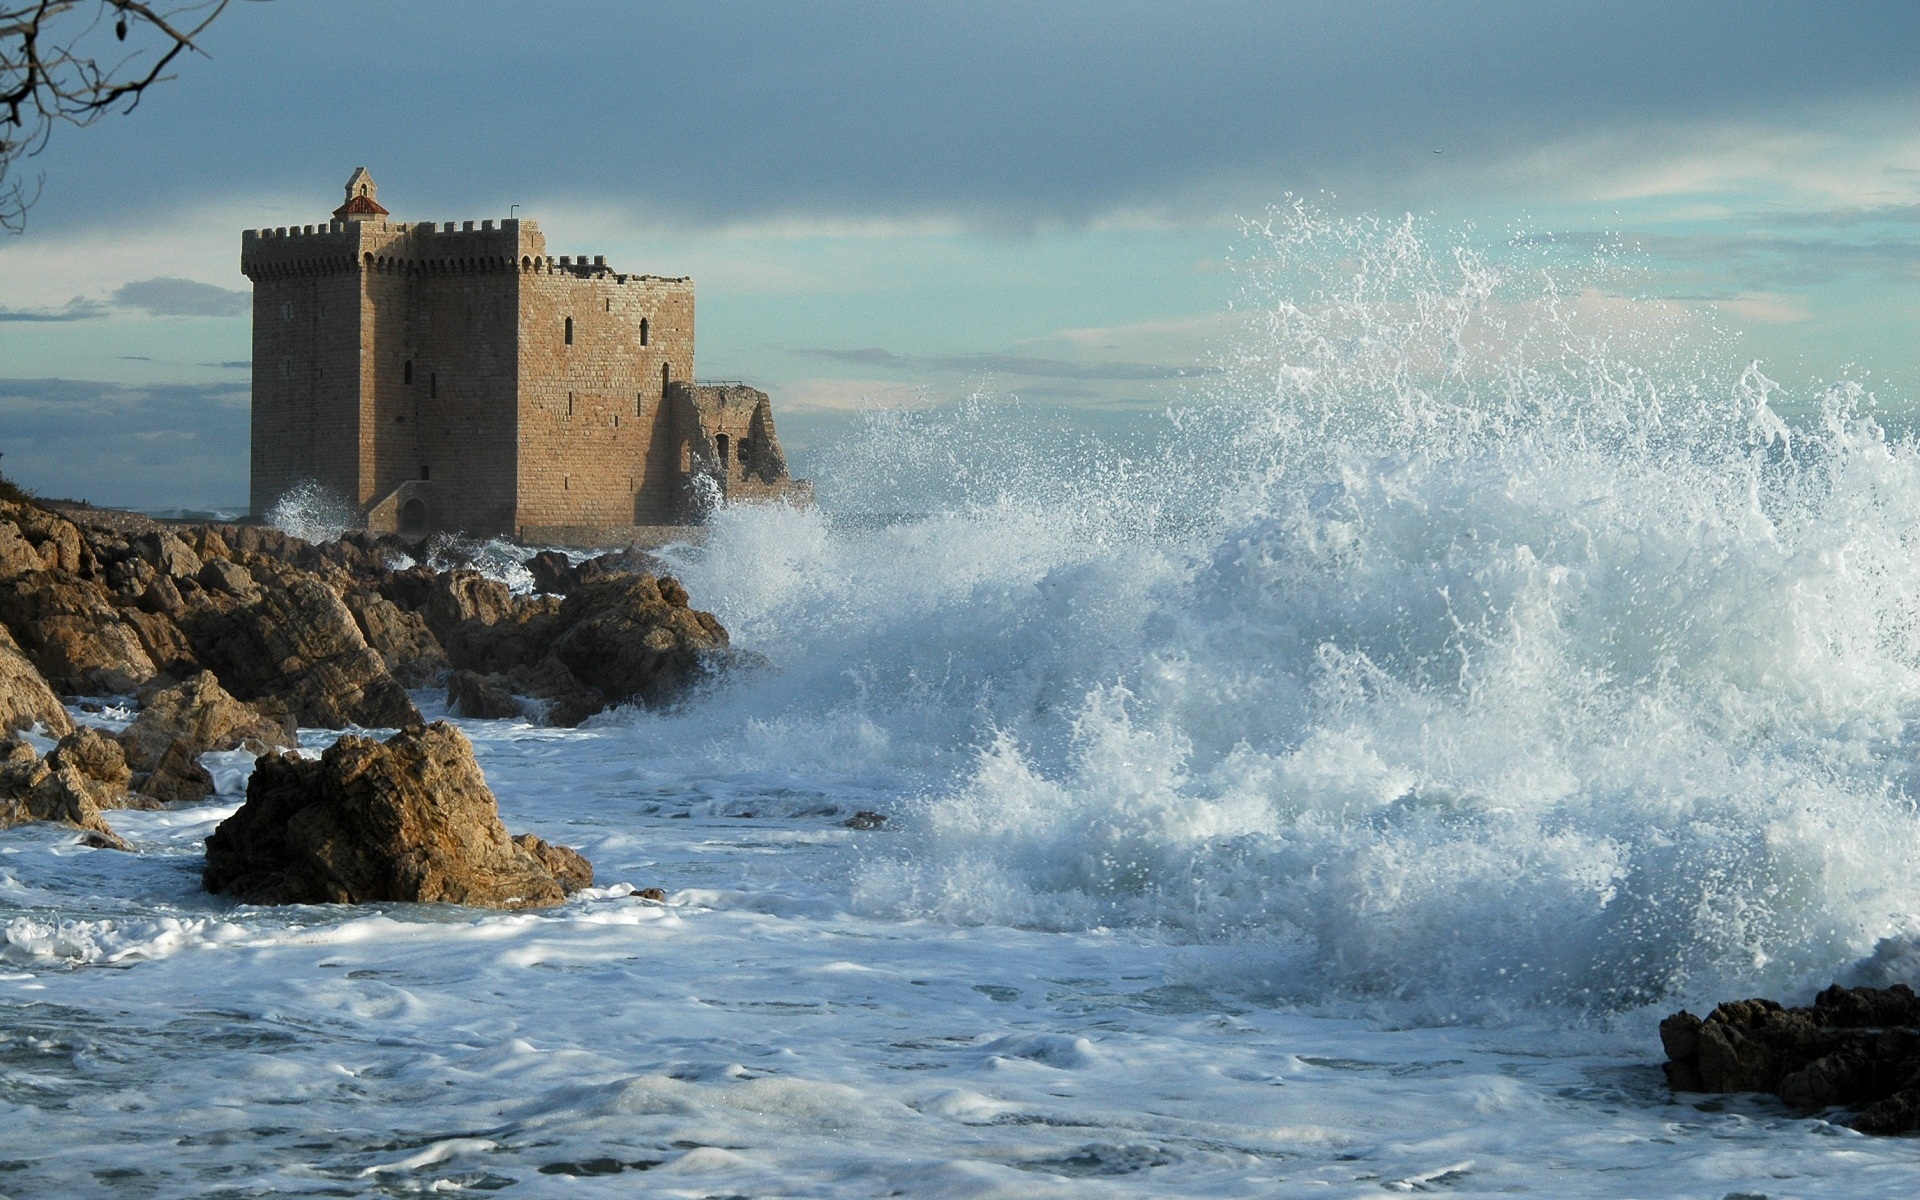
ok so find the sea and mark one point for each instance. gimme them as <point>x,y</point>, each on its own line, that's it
<point>1322,791</point>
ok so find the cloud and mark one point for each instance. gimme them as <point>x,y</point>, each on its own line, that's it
<point>145,447</point>
<point>77,309</point>
<point>990,115</point>
<point>168,297</point>
<point>1004,364</point>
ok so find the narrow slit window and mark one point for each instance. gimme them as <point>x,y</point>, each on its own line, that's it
<point>643,331</point>
<point>433,385</point>
<point>406,373</point>
<point>426,472</point>
<point>664,377</point>
<point>569,331</point>
<point>720,449</point>
<point>569,404</point>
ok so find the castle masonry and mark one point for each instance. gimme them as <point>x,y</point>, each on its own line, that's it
<point>459,378</point>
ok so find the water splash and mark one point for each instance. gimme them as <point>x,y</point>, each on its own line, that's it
<point>1480,636</point>
<point>313,512</point>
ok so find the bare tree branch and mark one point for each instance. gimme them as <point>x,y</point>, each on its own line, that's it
<point>74,61</point>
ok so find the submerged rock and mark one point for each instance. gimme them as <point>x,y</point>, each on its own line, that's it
<point>408,820</point>
<point>1855,1048</point>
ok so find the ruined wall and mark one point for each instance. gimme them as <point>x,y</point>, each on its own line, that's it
<point>594,449</point>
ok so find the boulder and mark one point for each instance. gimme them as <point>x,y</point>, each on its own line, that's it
<point>228,577</point>
<point>408,820</point>
<point>167,554</point>
<point>74,634</point>
<point>36,789</point>
<point>482,697</point>
<point>552,572</point>
<point>99,761</point>
<point>300,643</point>
<point>17,555</point>
<point>25,697</point>
<point>401,638</point>
<point>1857,1048</point>
<point>634,638</point>
<point>176,725</point>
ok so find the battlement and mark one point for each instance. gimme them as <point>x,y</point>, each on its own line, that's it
<point>420,246</point>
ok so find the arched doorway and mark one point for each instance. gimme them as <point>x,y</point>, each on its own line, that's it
<point>413,516</point>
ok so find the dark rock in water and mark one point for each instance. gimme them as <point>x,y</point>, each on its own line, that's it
<point>25,697</point>
<point>176,725</point>
<point>552,572</point>
<point>1856,1048</point>
<point>51,789</point>
<point>657,895</point>
<point>408,820</point>
<point>634,637</point>
<point>482,697</point>
<point>865,820</point>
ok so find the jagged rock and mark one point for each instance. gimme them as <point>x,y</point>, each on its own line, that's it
<point>99,760</point>
<point>73,633</point>
<point>33,789</point>
<point>569,868</point>
<point>24,696</point>
<point>299,643</point>
<point>165,644</point>
<point>865,819</point>
<point>17,555</point>
<point>229,577</point>
<point>408,820</point>
<point>552,572</point>
<point>176,725</point>
<point>481,697</point>
<point>1854,1047</point>
<point>167,554</point>
<point>634,637</point>
<point>402,638</point>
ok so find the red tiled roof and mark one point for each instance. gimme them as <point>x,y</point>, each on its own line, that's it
<point>360,204</point>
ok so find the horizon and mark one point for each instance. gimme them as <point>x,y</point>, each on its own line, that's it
<point>885,208</point>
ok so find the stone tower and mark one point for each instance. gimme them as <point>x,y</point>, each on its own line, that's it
<point>443,378</point>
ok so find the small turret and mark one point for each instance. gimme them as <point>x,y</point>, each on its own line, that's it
<point>362,198</point>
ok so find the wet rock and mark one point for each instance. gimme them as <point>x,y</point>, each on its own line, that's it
<point>552,572</point>
<point>300,644</point>
<point>657,895</point>
<point>569,868</point>
<point>1854,1047</point>
<point>634,638</point>
<point>401,638</point>
<point>176,725</point>
<point>481,697</point>
<point>100,765</point>
<point>36,789</point>
<point>865,819</point>
<point>408,820</point>
<point>25,697</point>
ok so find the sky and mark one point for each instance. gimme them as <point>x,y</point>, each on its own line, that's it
<point>890,204</point>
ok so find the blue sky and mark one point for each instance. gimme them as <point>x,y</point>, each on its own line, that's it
<point>889,203</point>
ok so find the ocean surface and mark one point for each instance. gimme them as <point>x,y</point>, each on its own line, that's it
<point>1324,794</point>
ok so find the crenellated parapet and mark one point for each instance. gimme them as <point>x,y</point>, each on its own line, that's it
<point>419,248</point>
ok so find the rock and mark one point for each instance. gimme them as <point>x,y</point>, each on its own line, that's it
<point>657,895</point>
<point>633,637</point>
<point>865,820</point>
<point>552,572</point>
<point>408,820</point>
<point>167,554</point>
<point>100,760</point>
<point>481,697</point>
<point>300,643</point>
<point>1854,1047</point>
<point>17,555</point>
<point>569,868</point>
<point>25,697</point>
<point>401,638</point>
<point>229,577</point>
<point>33,789</point>
<point>73,633</point>
<point>176,725</point>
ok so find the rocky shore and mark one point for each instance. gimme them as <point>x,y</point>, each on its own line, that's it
<point>1856,1049</point>
<point>234,636</point>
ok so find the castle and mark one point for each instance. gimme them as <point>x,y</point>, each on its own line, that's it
<point>461,379</point>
